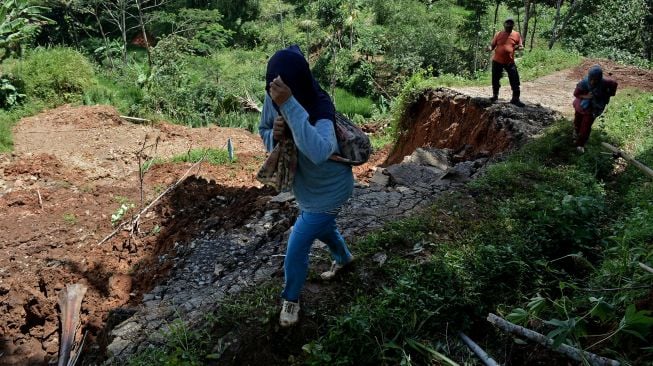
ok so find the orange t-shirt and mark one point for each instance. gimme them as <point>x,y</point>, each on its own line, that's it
<point>504,45</point>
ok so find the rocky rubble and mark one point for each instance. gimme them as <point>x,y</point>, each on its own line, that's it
<point>220,262</point>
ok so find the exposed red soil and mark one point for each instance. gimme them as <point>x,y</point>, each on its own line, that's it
<point>71,169</point>
<point>438,119</point>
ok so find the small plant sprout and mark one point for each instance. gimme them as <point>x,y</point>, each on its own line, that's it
<point>120,212</point>
<point>70,218</point>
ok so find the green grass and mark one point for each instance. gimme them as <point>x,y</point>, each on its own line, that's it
<point>213,156</point>
<point>351,105</point>
<point>623,120</point>
<point>53,75</point>
<point>126,97</point>
<point>184,346</point>
<point>489,250</point>
<point>9,118</point>
<point>530,64</point>
<point>245,120</point>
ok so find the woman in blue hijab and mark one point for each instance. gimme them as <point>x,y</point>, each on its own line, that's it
<point>592,96</point>
<point>297,108</point>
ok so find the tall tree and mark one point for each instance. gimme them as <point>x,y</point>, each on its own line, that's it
<point>560,25</point>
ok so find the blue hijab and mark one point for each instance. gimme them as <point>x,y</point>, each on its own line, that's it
<point>600,96</point>
<point>290,64</point>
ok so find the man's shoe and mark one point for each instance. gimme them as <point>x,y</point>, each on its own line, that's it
<point>289,313</point>
<point>335,268</point>
<point>494,98</point>
<point>580,149</point>
<point>517,103</point>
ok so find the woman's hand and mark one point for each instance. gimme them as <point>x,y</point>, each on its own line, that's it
<point>279,91</point>
<point>279,128</point>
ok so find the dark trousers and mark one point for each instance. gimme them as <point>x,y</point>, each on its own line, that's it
<point>513,77</point>
<point>583,126</point>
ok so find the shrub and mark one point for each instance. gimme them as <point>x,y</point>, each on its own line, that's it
<point>11,91</point>
<point>55,75</point>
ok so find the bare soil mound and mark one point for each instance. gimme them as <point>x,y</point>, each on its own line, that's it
<point>626,76</point>
<point>98,141</point>
<point>471,127</point>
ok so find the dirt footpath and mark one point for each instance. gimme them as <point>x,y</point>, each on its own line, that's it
<point>555,91</point>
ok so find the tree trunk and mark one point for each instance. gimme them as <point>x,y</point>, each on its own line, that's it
<point>556,32</point>
<point>648,171</point>
<point>351,30</point>
<point>70,304</point>
<point>496,14</point>
<point>123,29</point>
<point>534,25</point>
<point>147,43</point>
<point>518,21</point>
<point>571,352</point>
<point>527,17</point>
<point>104,37</point>
<point>556,20</point>
<point>478,351</point>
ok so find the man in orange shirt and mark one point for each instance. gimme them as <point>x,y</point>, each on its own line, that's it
<point>504,45</point>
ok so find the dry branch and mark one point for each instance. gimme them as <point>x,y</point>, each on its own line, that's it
<point>622,154</point>
<point>40,199</point>
<point>645,267</point>
<point>249,104</point>
<point>70,303</point>
<point>478,351</point>
<point>135,119</point>
<point>134,222</point>
<point>569,351</point>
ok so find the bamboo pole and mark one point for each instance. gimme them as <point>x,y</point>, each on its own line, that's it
<point>569,351</point>
<point>622,154</point>
<point>645,267</point>
<point>478,351</point>
<point>135,119</point>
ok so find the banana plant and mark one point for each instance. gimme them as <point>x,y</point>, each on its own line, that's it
<point>20,22</point>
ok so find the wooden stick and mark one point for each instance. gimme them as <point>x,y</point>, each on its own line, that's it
<point>135,119</point>
<point>74,359</point>
<point>70,303</point>
<point>645,267</point>
<point>478,351</point>
<point>137,218</point>
<point>637,164</point>
<point>571,352</point>
<point>40,199</point>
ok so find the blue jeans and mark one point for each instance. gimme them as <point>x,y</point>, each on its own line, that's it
<point>307,228</point>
